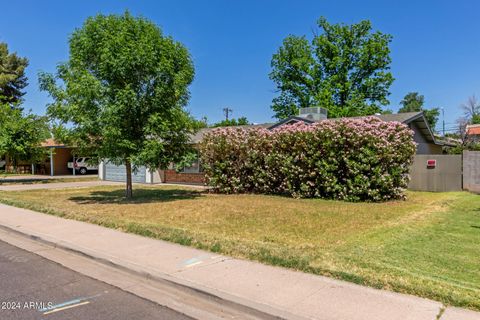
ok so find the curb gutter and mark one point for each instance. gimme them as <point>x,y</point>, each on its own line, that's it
<point>177,294</point>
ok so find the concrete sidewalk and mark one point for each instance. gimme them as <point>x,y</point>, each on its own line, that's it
<point>277,291</point>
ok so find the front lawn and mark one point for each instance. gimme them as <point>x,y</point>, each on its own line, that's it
<point>428,245</point>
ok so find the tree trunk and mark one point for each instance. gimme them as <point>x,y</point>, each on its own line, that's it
<point>129,190</point>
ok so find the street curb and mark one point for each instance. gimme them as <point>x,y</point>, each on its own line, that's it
<point>250,308</point>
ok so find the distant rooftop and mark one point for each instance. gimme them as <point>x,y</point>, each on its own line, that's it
<point>473,129</point>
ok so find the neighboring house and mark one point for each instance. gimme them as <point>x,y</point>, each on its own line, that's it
<point>473,132</point>
<point>58,156</point>
<point>55,163</point>
<point>188,175</point>
<point>423,136</point>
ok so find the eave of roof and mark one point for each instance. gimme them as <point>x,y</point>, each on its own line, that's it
<point>51,143</point>
<point>422,124</point>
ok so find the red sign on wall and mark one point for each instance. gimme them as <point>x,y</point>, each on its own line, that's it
<point>431,163</point>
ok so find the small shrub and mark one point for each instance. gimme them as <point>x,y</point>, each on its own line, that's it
<point>362,159</point>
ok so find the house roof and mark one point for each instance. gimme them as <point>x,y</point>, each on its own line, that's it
<point>292,119</point>
<point>416,118</point>
<point>473,129</point>
<point>406,117</point>
<point>51,143</point>
<point>409,118</point>
<point>198,136</point>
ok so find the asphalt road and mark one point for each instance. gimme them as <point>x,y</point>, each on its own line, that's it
<point>32,287</point>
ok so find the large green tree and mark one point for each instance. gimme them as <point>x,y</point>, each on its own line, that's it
<point>21,135</point>
<point>344,68</point>
<point>123,92</point>
<point>242,121</point>
<point>12,76</point>
<point>413,102</point>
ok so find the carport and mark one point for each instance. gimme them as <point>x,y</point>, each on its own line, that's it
<point>56,163</point>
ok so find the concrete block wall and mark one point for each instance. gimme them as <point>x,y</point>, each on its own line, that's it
<point>471,171</point>
<point>445,176</point>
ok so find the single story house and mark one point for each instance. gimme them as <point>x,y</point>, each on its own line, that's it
<point>473,132</point>
<point>188,175</point>
<point>55,163</point>
<point>58,156</point>
<point>423,136</point>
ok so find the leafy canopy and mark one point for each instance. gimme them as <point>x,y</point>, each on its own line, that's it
<point>200,123</point>
<point>345,69</point>
<point>242,121</point>
<point>12,76</point>
<point>123,91</point>
<point>413,102</point>
<point>21,135</point>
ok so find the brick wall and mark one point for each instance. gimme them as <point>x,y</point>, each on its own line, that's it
<point>172,176</point>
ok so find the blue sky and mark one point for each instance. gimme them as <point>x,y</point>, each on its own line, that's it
<point>435,48</point>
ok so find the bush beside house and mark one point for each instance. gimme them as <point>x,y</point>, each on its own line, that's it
<point>348,159</point>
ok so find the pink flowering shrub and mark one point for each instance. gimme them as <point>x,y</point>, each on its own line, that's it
<point>348,159</point>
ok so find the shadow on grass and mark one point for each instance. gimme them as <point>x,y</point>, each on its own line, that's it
<point>139,196</point>
<point>22,182</point>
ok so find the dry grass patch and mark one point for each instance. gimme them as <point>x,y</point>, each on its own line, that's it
<point>427,245</point>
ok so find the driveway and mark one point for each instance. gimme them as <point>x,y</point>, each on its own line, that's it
<point>36,177</point>
<point>59,185</point>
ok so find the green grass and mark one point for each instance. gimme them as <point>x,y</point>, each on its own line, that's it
<point>428,245</point>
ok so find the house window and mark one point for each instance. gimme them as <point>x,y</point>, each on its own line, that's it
<point>195,167</point>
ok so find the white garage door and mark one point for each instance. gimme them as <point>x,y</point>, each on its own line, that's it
<point>118,173</point>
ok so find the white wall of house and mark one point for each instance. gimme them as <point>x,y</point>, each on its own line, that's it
<point>158,176</point>
<point>154,176</point>
<point>101,171</point>
<point>149,176</point>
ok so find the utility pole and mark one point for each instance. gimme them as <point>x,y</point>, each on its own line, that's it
<point>227,111</point>
<point>443,121</point>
